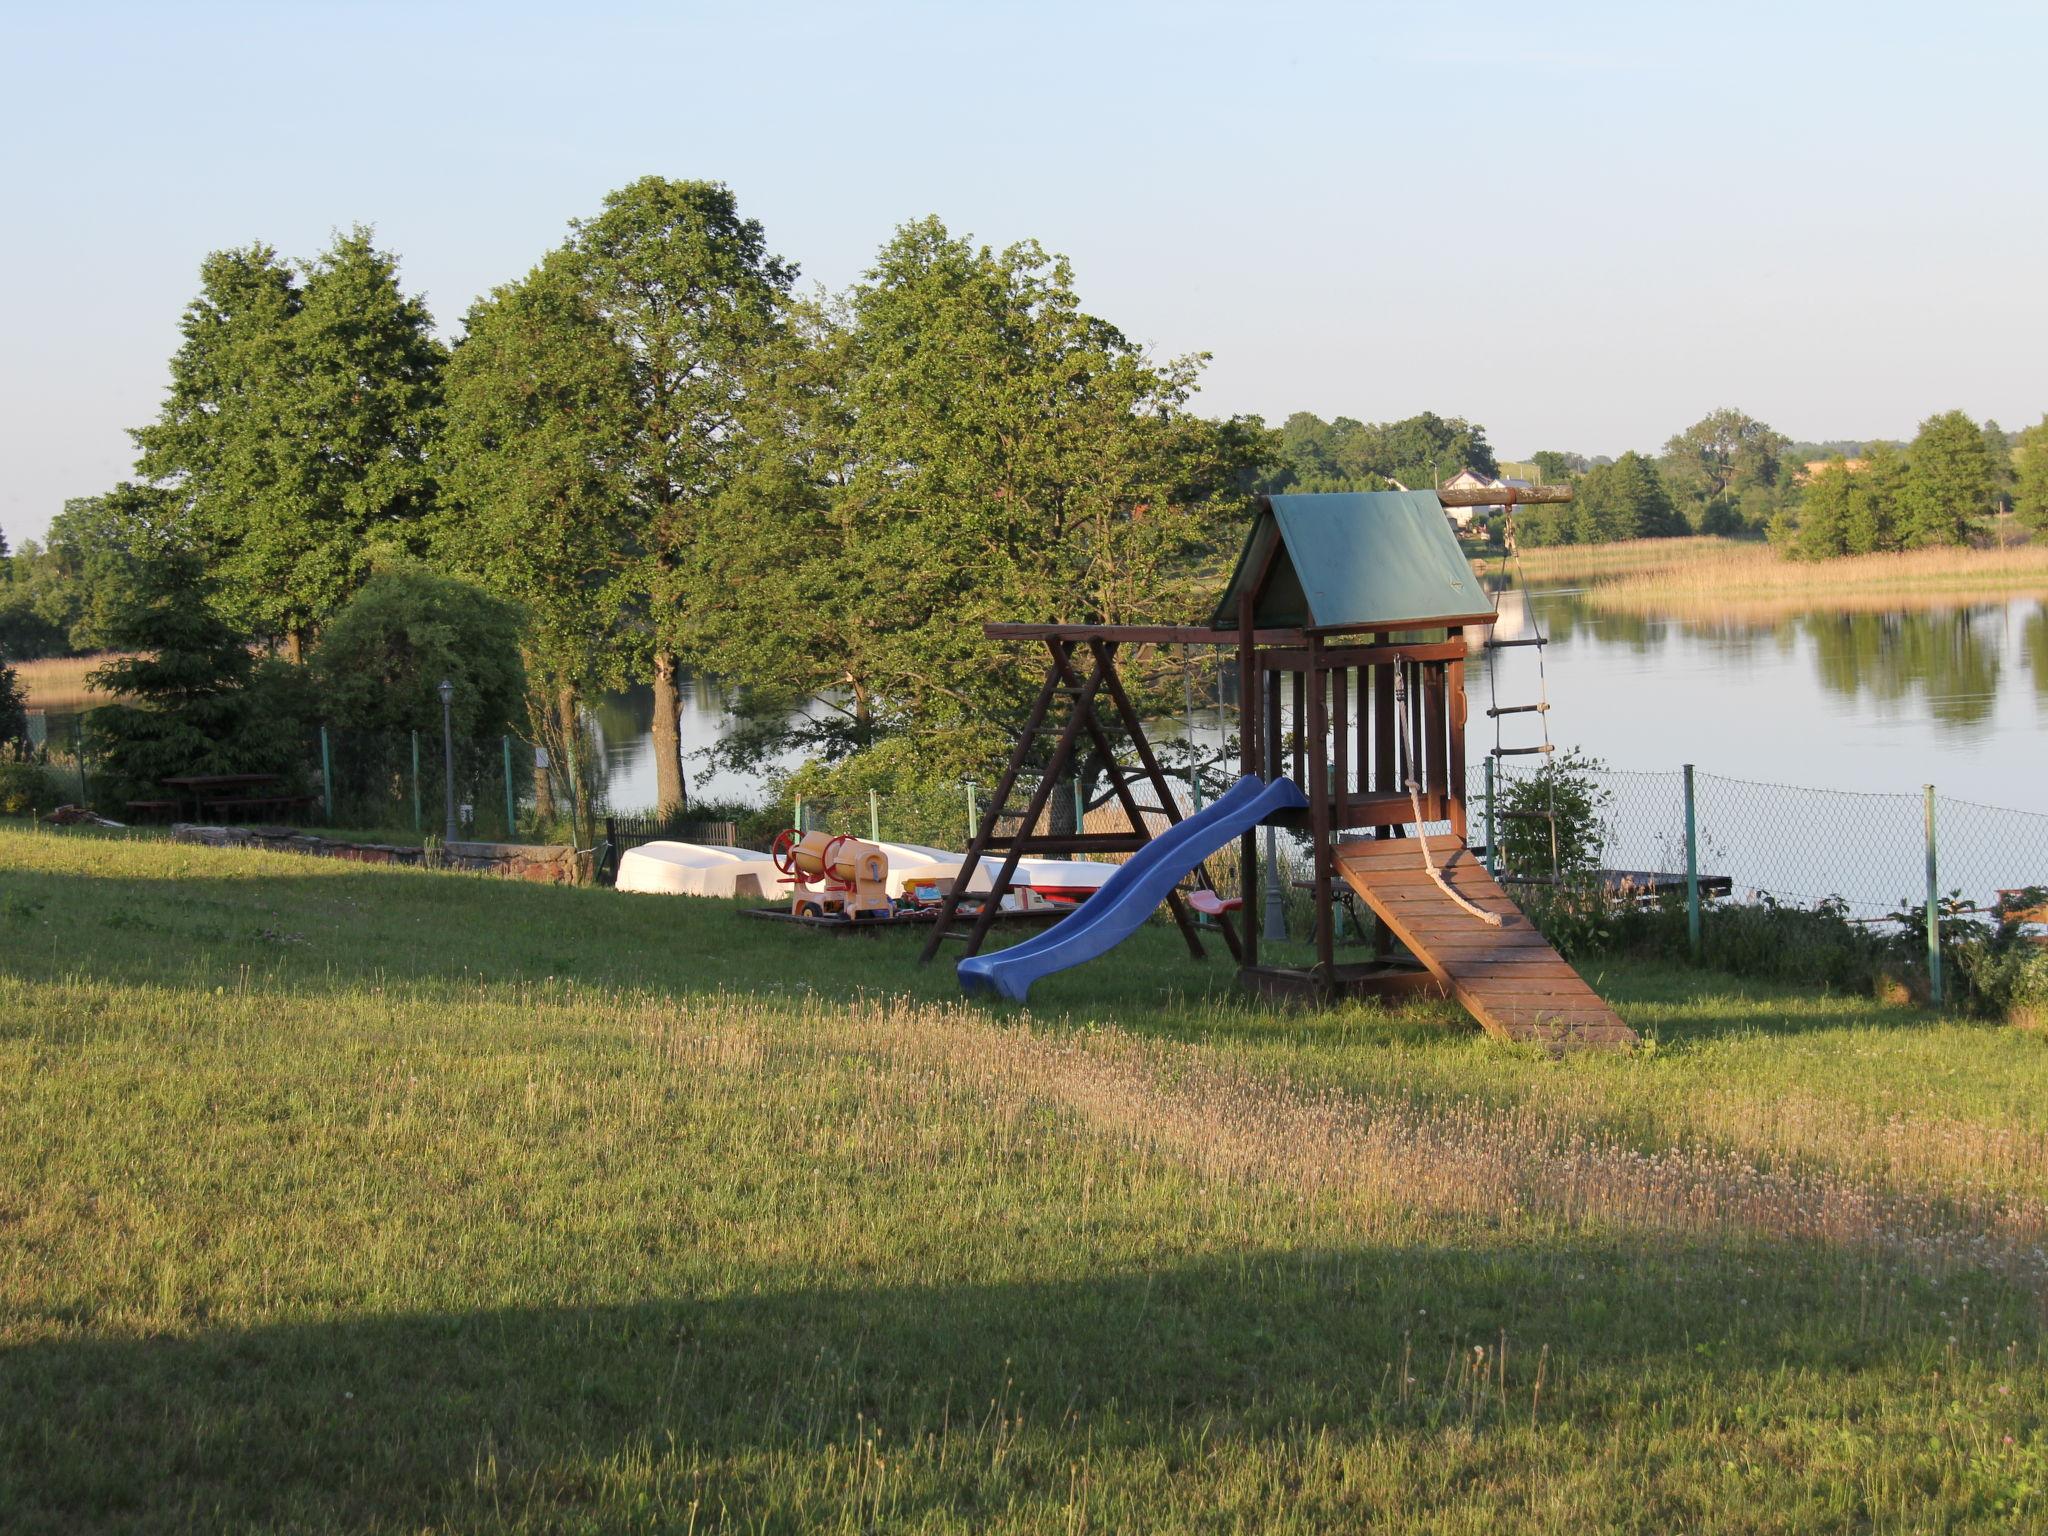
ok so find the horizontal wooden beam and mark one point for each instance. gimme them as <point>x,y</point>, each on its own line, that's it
<point>1139,634</point>
<point>1505,496</point>
<point>1286,659</point>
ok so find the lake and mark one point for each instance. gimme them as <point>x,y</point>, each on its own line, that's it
<point>1875,700</point>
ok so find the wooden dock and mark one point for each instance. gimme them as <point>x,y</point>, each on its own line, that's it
<point>1508,978</point>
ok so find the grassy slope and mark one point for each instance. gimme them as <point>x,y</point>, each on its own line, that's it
<point>338,1197</point>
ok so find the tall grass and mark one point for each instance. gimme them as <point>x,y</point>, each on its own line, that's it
<point>1706,575</point>
<point>345,1198</point>
<point>57,683</point>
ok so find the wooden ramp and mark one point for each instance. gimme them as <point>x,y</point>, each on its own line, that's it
<point>1508,978</point>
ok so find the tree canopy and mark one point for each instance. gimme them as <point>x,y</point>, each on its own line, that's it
<point>1418,451</point>
<point>295,436</point>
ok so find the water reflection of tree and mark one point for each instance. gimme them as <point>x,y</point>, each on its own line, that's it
<point>1943,652</point>
<point>2034,642</point>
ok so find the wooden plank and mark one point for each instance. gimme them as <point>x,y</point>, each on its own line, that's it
<point>1139,634</point>
<point>1508,978</point>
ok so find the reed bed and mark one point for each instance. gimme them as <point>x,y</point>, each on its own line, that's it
<point>58,683</point>
<point>1706,575</point>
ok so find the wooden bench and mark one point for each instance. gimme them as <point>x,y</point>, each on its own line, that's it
<point>140,809</point>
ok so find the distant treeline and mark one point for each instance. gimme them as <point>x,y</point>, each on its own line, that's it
<point>657,453</point>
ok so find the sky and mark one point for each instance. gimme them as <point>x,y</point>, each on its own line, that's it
<point>1582,225</point>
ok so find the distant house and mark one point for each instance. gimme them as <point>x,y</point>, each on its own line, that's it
<point>1470,480</point>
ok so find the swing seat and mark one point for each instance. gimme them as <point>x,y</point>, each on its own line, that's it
<point>1209,904</point>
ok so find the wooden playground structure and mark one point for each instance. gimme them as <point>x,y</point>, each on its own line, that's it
<point>1348,616</point>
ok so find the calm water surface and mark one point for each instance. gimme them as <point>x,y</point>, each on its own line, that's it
<point>1877,701</point>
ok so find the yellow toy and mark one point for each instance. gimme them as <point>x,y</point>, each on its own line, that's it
<point>833,876</point>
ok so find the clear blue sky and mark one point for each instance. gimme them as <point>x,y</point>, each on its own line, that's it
<point>1583,225</point>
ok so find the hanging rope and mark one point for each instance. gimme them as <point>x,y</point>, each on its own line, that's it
<point>1491,919</point>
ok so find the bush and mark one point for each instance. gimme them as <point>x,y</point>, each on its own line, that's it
<point>1566,787</point>
<point>28,790</point>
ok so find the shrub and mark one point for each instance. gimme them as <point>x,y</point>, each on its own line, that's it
<point>27,789</point>
<point>1566,786</point>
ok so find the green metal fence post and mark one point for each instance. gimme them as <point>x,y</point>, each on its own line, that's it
<point>326,776</point>
<point>78,756</point>
<point>511,795</point>
<point>973,814</point>
<point>874,817</point>
<point>1692,868</point>
<point>417,823</point>
<point>1933,910</point>
<point>1492,838</point>
<point>799,815</point>
<point>1080,804</point>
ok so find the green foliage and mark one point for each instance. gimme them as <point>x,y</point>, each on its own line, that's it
<point>198,702</point>
<point>13,713</point>
<point>379,666</point>
<point>1567,788</point>
<point>1948,483</point>
<point>382,658</point>
<point>28,789</point>
<point>1347,455</point>
<point>1559,468</point>
<point>60,595</point>
<point>2030,476</point>
<point>1623,500</point>
<point>959,442</point>
<point>1723,468</point>
<point>297,429</point>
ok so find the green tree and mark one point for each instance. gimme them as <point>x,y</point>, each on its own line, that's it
<point>538,501</point>
<point>1998,448</point>
<point>1559,468</point>
<point>382,658</point>
<point>960,442</point>
<point>194,698</point>
<point>1948,482</point>
<point>1349,455</point>
<point>1623,500</point>
<point>13,714</point>
<point>1719,457</point>
<point>689,294</point>
<point>296,432</point>
<point>2030,476</point>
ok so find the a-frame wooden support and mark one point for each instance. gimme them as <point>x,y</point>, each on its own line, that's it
<point>1063,679</point>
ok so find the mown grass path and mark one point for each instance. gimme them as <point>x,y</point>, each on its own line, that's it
<point>363,1199</point>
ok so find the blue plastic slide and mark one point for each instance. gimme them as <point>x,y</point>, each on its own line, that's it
<point>1128,897</point>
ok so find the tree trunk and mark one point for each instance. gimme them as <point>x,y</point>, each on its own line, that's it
<point>569,734</point>
<point>670,794</point>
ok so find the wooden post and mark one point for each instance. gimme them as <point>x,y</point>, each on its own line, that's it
<point>1317,747</point>
<point>1692,868</point>
<point>1300,721</point>
<point>1248,714</point>
<point>1455,683</point>
<point>1340,748</point>
<point>1004,787</point>
<point>1386,779</point>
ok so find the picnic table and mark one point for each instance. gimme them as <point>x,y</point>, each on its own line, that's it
<point>231,791</point>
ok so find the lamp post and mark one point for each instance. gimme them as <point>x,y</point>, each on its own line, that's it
<point>447,692</point>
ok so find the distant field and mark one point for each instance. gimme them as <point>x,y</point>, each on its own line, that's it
<point>1679,575</point>
<point>341,1198</point>
<point>57,683</point>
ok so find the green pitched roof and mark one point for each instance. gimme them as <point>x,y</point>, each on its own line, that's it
<point>1370,559</point>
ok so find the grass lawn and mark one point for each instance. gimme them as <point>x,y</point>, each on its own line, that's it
<point>348,1198</point>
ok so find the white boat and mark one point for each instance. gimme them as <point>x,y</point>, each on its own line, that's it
<point>1064,879</point>
<point>696,869</point>
<point>912,865</point>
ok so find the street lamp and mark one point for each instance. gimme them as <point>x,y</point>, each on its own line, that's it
<point>447,692</point>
